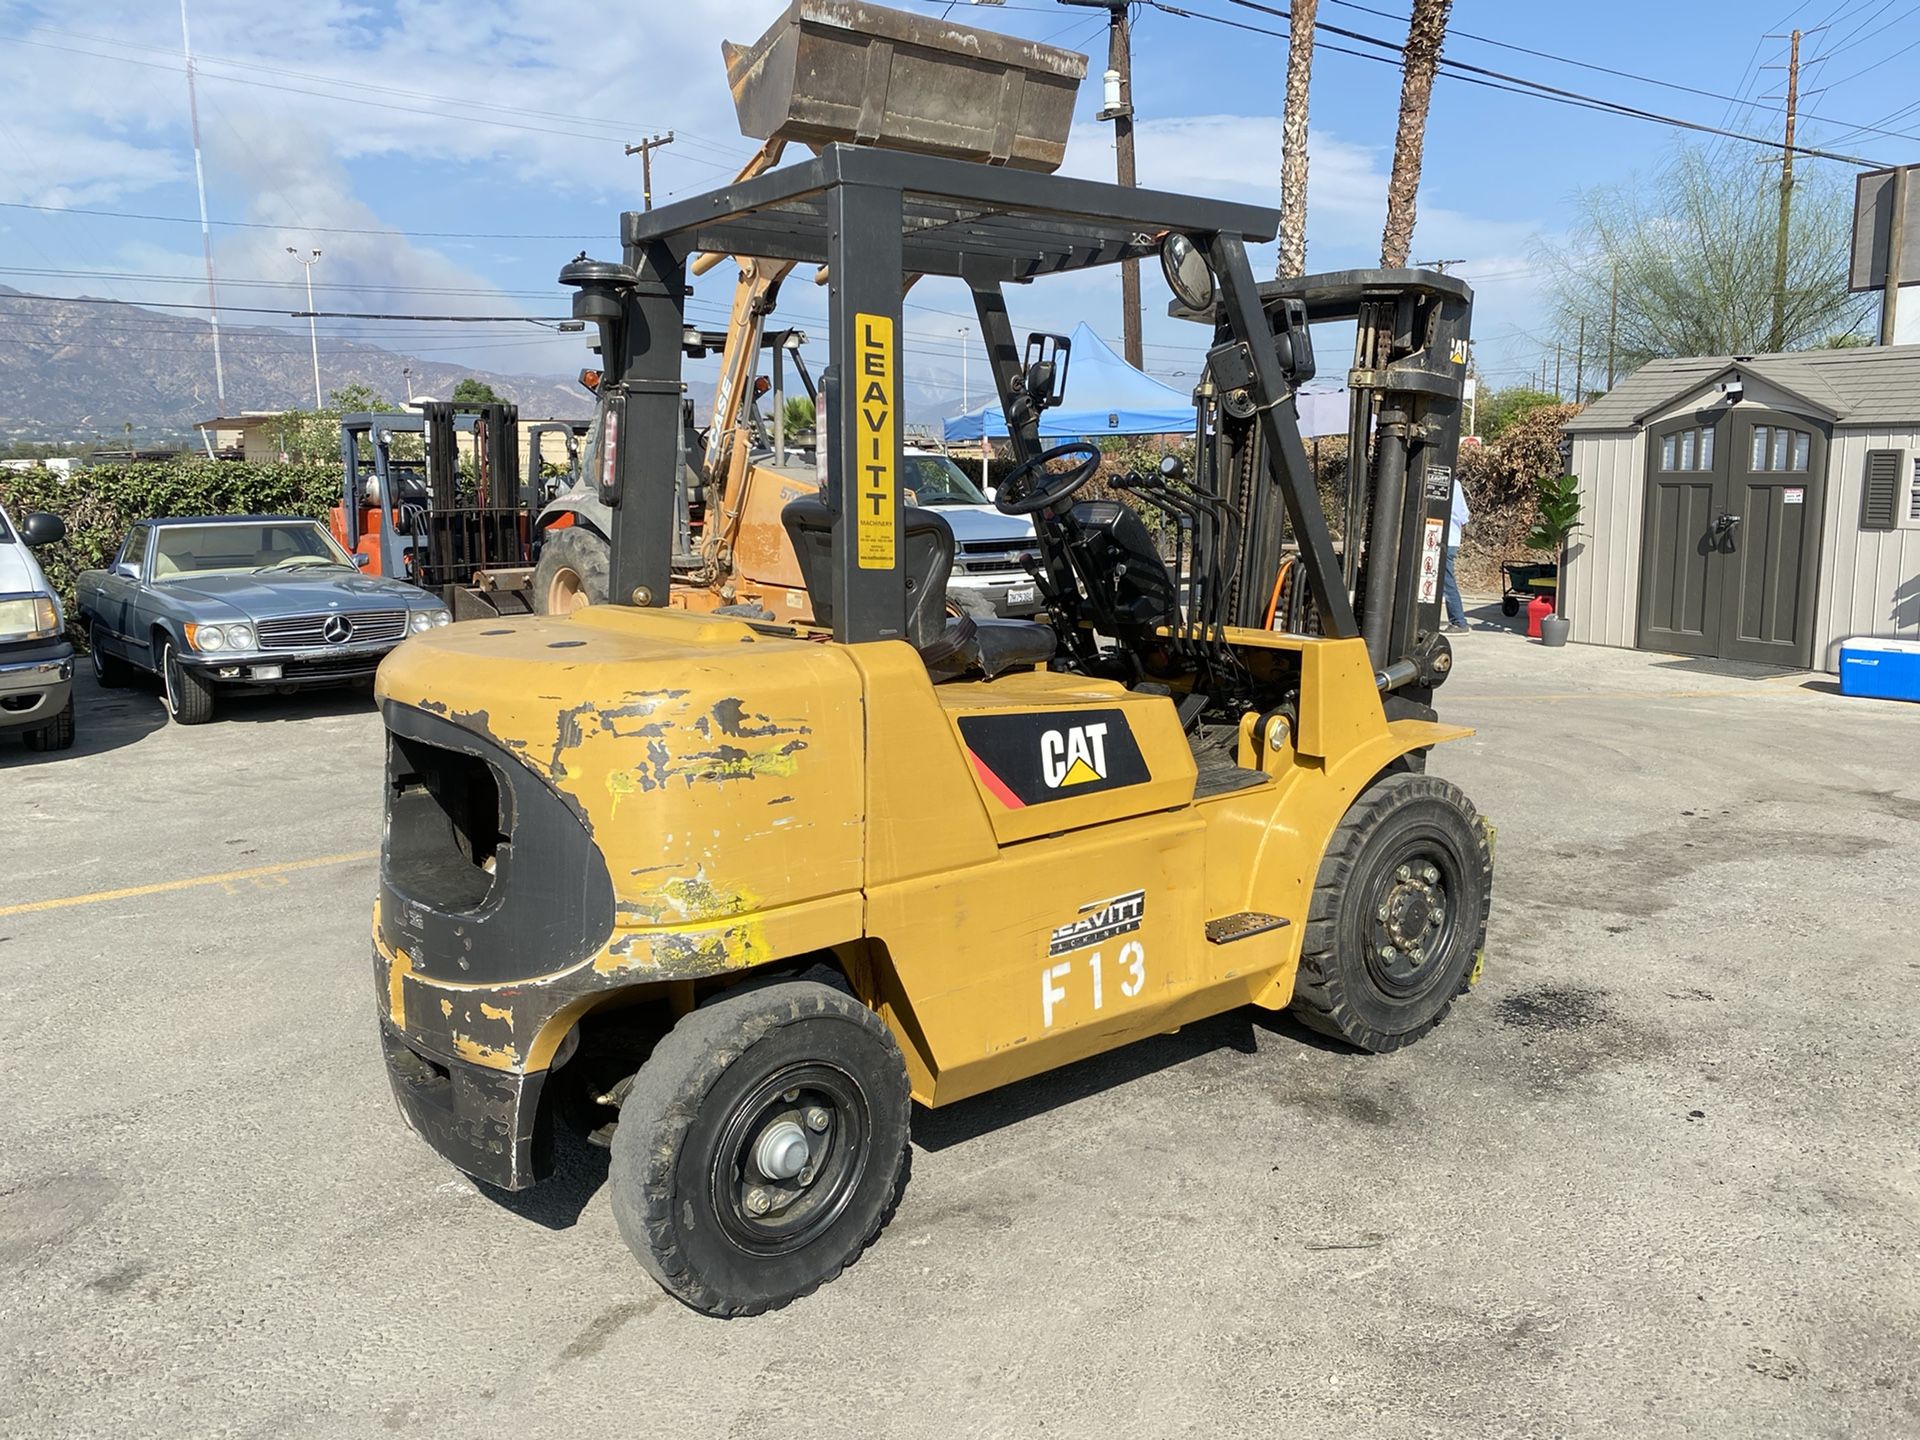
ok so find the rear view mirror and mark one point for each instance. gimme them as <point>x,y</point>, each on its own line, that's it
<point>40,528</point>
<point>1188,274</point>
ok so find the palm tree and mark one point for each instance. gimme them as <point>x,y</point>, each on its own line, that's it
<point>1293,141</point>
<point>1426,32</point>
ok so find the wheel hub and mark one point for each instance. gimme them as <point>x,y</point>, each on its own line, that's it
<point>1410,922</point>
<point>782,1151</point>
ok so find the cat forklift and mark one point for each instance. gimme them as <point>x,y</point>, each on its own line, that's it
<point>468,537</point>
<point>730,896</point>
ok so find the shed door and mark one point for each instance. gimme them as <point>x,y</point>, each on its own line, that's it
<point>1680,593</point>
<point>1730,552</point>
<point>1770,537</point>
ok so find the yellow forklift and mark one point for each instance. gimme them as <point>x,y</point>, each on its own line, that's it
<point>732,896</point>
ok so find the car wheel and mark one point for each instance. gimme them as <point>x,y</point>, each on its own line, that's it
<point>189,697</point>
<point>56,734</point>
<point>762,1147</point>
<point>572,573</point>
<point>112,674</point>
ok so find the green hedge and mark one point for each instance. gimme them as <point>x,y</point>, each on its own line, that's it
<point>100,505</point>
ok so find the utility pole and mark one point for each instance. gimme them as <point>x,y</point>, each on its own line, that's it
<point>307,262</point>
<point>206,234</point>
<point>1117,106</point>
<point>1558,393</point>
<point>1613,324</point>
<point>1779,334</point>
<point>1580,365</point>
<point>645,151</point>
<point>1896,242</point>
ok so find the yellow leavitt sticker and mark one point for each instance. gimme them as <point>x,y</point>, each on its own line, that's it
<point>875,395</point>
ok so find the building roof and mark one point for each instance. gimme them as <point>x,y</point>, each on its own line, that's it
<point>1868,385</point>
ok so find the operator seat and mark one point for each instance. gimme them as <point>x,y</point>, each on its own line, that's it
<point>951,646</point>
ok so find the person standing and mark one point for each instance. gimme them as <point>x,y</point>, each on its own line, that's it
<point>1457,523</point>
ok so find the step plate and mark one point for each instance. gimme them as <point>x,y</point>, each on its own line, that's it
<point>1229,928</point>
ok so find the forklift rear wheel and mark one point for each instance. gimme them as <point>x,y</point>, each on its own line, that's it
<point>762,1147</point>
<point>1399,914</point>
<point>572,571</point>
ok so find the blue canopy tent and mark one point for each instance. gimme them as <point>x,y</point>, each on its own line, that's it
<point>1104,396</point>
<point>1107,396</point>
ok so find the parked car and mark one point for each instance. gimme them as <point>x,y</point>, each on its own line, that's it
<point>990,550</point>
<point>36,658</point>
<point>242,602</point>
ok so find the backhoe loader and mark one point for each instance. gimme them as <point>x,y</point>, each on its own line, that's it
<point>732,895</point>
<point>731,551</point>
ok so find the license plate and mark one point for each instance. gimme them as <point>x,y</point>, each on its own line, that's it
<point>1021,595</point>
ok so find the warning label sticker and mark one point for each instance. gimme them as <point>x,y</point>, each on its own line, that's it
<point>1430,561</point>
<point>876,395</point>
<point>1793,495</point>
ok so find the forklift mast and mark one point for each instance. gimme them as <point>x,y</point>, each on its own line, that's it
<point>1406,384</point>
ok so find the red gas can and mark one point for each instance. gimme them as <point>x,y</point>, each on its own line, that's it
<point>1538,609</point>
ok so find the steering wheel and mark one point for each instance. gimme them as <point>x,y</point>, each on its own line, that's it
<point>1013,498</point>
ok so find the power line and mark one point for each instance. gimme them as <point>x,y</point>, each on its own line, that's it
<point>291,314</point>
<point>1495,79</point>
<point>315,229</point>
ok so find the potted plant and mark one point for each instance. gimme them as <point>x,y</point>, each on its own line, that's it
<point>1556,517</point>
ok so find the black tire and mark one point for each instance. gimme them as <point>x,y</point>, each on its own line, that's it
<point>1348,987</point>
<point>1509,607</point>
<point>56,734</point>
<point>187,696</point>
<point>110,672</point>
<point>685,1169</point>
<point>574,562</point>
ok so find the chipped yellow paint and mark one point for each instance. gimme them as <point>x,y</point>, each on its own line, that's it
<point>504,1057</point>
<point>497,1012</point>
<point>399,968</point>
<point>446,1008</point>
<point>619,786</point>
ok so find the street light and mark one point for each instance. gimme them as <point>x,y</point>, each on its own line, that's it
<point>307,263</point>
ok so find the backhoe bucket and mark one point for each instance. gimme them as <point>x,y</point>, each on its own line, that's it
<point>848,72</point>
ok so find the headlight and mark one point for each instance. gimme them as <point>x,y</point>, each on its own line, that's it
<point>427,619</point>
<point>443,617</point>
<point>241,637</point>
<point>207,637</point>
<point>30,617</point>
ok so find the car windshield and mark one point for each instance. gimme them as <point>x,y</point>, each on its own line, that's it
<point>236,548</point>
<point>936,480</point>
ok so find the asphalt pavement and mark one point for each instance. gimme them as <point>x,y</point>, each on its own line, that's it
<point>1656,1176</point>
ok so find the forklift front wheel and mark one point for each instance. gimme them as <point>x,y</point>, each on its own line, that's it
<point>1399,914</point>
<point>762,1147</point>
<point>572,571</point>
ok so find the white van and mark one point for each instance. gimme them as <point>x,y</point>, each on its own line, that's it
<point>990,550</point>
<point>36,658</point>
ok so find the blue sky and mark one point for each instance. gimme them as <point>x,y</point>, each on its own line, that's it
<point>445,130</point>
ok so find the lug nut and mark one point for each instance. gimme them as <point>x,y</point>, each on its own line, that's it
<point>1404,872</point>
<point>1431,874</point>
<point>1381,913</point>
<point>1386,952</point>
<point>806,1176</point>
<point>817,1118</point>
<point>758,1202</point>
<point>791,1096</point>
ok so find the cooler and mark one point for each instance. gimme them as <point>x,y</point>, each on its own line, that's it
<point>1880,669</point>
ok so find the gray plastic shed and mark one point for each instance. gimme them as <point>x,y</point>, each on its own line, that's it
<point>1761,507</point>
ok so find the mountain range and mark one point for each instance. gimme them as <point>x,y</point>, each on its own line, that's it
<point>84,369</point>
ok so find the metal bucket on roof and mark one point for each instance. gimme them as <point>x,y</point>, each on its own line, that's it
<point>844,71</point>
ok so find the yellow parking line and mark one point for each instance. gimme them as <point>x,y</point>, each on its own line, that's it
<point>225,877</point>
